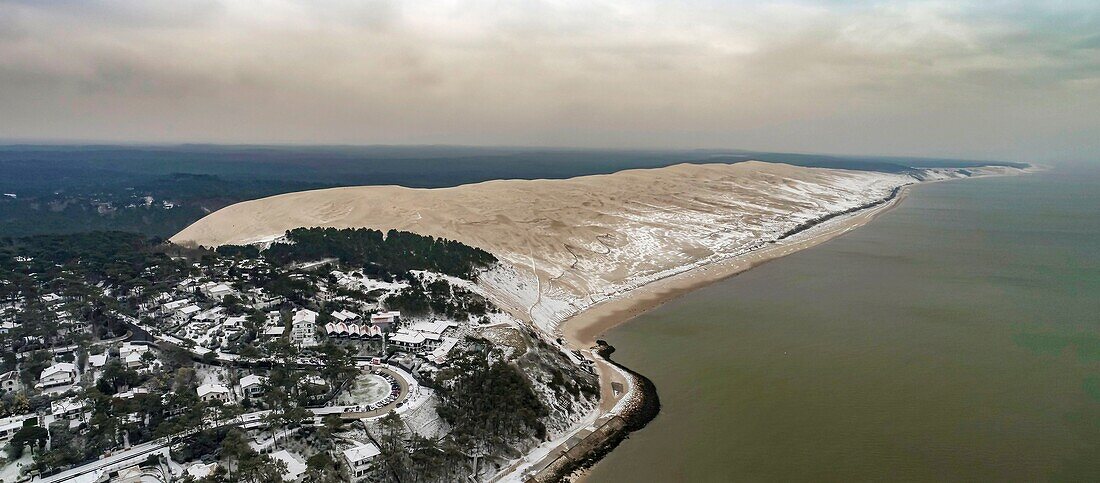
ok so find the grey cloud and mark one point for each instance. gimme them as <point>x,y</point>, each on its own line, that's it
<point>895,78</point>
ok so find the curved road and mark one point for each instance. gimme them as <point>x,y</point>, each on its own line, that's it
<point>135,455</point>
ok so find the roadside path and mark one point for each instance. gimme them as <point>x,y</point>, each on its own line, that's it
<point>137,454</point>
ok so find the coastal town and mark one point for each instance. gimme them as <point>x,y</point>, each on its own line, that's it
<point>127,360</point>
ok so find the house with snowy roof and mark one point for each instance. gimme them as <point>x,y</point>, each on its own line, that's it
<point>252,385</point>
<point>213,392</point>
<point>304,326</point>
<point>59,374</point>
<point>10,382</point>
<point>358,459</point>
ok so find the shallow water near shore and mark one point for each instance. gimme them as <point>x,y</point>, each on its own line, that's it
<point>957,337</point>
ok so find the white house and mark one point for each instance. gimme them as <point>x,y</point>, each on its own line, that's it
<point>341,329</point>
<point>235,322</point>
<point>184,313</point>
<point>422,334</point>
<point>212,315</point>
<point>408,339</point>
<point>217,291</point>
<point>9,382</point>
<point>384,320</point>
<point>358,459</point>
<point>131,355</point>
<point>213,392</point>
<point>131,393</point>
<point>252,385</point>
<point>439,354</point>
<point>96,361</point>
<point>12,424</point>
<point>133,360</point>
<point>435,327</point>
<point>174,306</point>
<point>304,327</point>
<point>274,328</point>
<point>294,465</point>
<point>71,408</point>
<point>60,374</point>
<point>344,315</point>
<point>51,299</point>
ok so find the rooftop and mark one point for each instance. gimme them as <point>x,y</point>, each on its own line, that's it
<point>251,380</point>
<point>211,389</point>
<point>294,465</point>
<point>361,452</point>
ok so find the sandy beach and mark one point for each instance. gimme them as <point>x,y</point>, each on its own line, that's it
<point>583,329</point>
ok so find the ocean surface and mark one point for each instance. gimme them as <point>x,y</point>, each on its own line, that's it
<point>955,338</point>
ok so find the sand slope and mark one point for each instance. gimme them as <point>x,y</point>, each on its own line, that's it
<point>570,243</point>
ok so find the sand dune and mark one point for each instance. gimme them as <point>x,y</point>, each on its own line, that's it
<point>570,243</point>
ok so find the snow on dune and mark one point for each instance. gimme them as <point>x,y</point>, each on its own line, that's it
<point>567,244</point>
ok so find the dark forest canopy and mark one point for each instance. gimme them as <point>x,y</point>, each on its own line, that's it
<point>490,402</point>
<point>128,259</point>
<point>394,252</point>
<point>95,256</point>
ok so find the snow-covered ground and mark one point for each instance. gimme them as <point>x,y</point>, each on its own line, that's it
<point>644,241</point>
<point>567,244</point>
<point>647,241</point>
<point>10,471</point>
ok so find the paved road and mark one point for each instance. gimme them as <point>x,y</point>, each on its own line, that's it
<point>136,454</point>
<point>403,394</point>
<point>144,449</point>
<point>140,451</point>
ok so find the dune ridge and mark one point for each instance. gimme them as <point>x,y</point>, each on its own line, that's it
<point>570,243</point>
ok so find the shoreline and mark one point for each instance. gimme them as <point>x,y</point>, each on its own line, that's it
<point>620,413</point>
<point>639,402</point>
<point>584,331</point>
<point>608,431</point>
<point>581,331</point>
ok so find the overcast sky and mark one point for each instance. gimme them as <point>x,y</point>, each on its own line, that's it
<point>988,79</point>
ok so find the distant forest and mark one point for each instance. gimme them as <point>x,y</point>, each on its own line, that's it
<point>159,190</point>
<point>114,257</point>
<point>156,206</point>
<point>130,260</point>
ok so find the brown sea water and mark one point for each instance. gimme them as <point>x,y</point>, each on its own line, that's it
<point>955,338</point>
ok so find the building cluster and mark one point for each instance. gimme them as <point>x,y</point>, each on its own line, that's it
<point>50,307</point>
<point>217,312</point>
<point>347,324</point>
